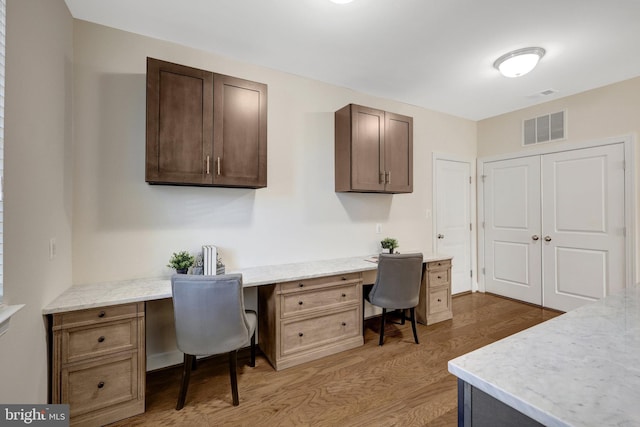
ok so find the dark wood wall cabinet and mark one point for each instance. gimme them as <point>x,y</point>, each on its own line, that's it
<point>204,128</point>
<point>373,151</point>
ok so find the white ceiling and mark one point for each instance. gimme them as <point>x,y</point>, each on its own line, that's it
<point>436,54</point>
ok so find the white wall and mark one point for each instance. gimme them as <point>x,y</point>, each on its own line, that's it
<point>38,128</point>
<point>124,227</point>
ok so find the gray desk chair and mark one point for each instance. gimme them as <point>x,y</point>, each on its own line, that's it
<point>210,319</point>
<point>397,287</point>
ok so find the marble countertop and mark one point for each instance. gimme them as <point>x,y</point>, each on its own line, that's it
<point>93,295</point>
<point>579,369</point>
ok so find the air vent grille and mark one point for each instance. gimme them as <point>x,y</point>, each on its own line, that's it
<point>546,128</point>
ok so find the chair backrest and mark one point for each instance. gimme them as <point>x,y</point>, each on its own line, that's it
<point>398,281</point>
<point>209,313</point>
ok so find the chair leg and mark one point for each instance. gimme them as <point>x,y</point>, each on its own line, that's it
<point>186,374</point>
<point>252,361</point>
<point>403,316</point>
<point>384,314</point>
<point>194,365</point>
<point>233,364</point>
<point>412,311</point>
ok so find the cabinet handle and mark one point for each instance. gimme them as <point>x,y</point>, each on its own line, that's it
<point>300,334</point>
<point>301,285</point>
<point>300,303</point>
<point>440,236</point>
<point>343,278</point>
<point>535,237</point>
<point>344,323</point>
<point>547,238</point>
<point>383,177</point>
<point>344,295</point>
<point>218,165</point>
<point>388,180</point>
<point>208,165</point>
<point>439,277</point>
<point>439,300</point>
<point>101,339</point>
<point>101,384</point>
<point>101,314</point>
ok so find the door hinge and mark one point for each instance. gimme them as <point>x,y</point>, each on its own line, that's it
<point>470,227</point>
<point>483,177</point>
<point>482,224</point>
<point>471,273</point>
<point>483,270</point>
<point>469,180</point>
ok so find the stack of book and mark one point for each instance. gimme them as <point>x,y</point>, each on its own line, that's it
<point>209,260</point>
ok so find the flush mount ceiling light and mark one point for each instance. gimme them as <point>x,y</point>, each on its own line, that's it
<point>519,62</point>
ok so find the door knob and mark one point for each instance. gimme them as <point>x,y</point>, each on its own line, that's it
<point>440,236</point>
<point>547,238</point>
<point>535,237</point>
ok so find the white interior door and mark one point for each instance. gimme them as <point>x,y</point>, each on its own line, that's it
<point>512,228</point>
<point>453,219</point>
<point>583,224</point>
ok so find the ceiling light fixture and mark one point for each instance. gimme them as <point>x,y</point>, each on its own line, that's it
<point>519,62</point>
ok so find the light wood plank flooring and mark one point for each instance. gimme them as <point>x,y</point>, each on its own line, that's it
<point>398,384</point>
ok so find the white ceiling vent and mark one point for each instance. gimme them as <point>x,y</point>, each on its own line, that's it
<point>550,127</point>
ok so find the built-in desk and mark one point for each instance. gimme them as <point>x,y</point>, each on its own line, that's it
<point>97,331</point>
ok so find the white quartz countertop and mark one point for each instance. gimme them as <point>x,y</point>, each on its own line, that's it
<point>579,369</point>
<point>93,295</point>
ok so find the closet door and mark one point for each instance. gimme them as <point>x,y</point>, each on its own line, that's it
<point>583,244</point>
<point>512,228</point>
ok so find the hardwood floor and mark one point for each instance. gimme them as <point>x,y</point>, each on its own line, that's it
<point>398,384</point>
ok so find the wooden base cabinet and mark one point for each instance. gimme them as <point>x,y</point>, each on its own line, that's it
<point>308,319</point>
<point>99,363</point>
<point>435,293</point>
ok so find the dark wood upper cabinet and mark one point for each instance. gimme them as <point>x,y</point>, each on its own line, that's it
<point>204,128</point>
<point>373,151</point>
<point>240,132</point>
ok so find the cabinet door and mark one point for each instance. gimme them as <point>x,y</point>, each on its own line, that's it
<point>240,132</point>
<point>398,153</point>
<point>367,142</point>
<point>179,123</point>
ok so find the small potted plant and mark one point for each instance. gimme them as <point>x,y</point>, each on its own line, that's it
<point>181,261</point>
<point>388,245</point>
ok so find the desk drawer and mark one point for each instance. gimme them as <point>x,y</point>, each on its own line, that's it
<point>439,300</point>
<point>438,278</point>
<point>310,333</point>
<point>437,265</point>
<point>100,384</point>
<point>319,282</point>
<point>101,339</point>
<point>95,315</point>
<point>303,302</point>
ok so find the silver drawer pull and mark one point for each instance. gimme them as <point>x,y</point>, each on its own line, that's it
<point>101,384</point>
<point>301,285</point>
<point>300,302</point>
<point>300,334</point>
<point>101,314</point>
<point>344,323</point>
<point>344,295</point>
<point>101,339</point>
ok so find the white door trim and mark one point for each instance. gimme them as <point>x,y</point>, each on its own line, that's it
<point>472,207</point>
<point>629,197</point>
